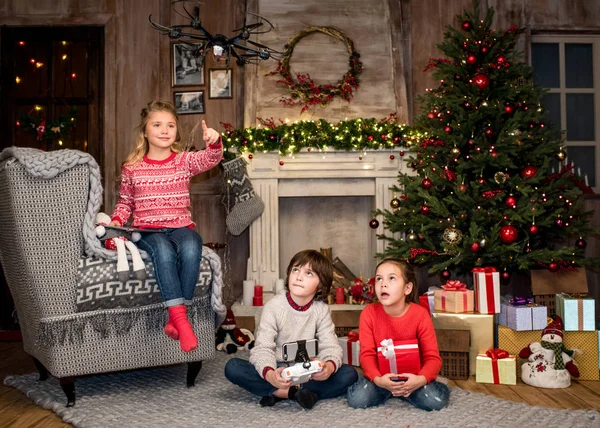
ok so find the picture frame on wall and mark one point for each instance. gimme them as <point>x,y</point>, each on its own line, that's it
<point>189,102</point>
<point>186,70</point>
<point>220,82</point>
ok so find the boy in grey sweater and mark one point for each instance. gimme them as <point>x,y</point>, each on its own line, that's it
<point>298,314</point>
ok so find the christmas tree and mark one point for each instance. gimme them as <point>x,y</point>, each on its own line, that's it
<point>489,184</point>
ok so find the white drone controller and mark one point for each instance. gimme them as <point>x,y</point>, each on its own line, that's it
<point>298,373</point>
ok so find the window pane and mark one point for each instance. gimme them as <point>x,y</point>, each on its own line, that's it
<point>70,69</point>
<point>584,158</point>
<point>580,117</point>
<point>31,69</point>
<point>545,62</point>
<point>579,65</point>
<point>551,104</point>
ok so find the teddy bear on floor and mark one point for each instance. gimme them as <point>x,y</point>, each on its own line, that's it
<point>230,339</point>
<point>550,363</point>
<point>115,239</point>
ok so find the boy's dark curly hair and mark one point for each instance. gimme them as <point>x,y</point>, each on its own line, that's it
<point>319,264</point>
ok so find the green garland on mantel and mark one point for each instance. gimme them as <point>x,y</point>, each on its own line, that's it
<point>290,138</point>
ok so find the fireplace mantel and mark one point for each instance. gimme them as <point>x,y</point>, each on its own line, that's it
<point>310,174</point>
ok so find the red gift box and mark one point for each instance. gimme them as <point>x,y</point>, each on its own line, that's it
<point>427,301</point>
<point>399,356</point>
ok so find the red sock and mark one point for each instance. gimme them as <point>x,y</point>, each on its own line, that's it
<point>171,331</point>
<point>187,338</point>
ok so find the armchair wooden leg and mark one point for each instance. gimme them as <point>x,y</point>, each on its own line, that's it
<point>192,372</point>
<point>41,369</point>
<point>68,386</point>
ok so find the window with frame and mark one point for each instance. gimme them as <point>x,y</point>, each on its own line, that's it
<point>568,66</point>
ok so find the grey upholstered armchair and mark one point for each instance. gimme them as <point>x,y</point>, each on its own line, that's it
<point>76,317</point>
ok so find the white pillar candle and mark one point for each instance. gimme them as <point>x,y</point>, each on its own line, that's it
<point>248,292</point>
<point>279,286</point>
<point>586,180</point>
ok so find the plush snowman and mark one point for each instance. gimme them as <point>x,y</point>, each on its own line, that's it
<point>550,364</point>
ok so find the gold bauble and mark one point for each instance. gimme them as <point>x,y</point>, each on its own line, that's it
<point>455,151</point>
<point>412,237</point>
<point>452,236</point>
<point>561,155</point>
<point>395,203</point>
<point>500,177</point>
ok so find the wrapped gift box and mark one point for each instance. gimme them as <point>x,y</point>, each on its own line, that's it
<point>500,371</point>
<point>427,301</point>
<point>577,312</point>
<point>454,297</point>
<point>487,290</point>
<point>480,327</point>
<point>523,317</point>
<point>351,347</point>
<point>399,357</point>
<point>545,285</point>
<point>454,349</point>
<point>587,362</point>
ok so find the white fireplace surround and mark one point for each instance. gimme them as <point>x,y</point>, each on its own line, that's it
<point>311,174</point>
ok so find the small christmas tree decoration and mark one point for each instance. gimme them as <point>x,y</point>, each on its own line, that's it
<point>401,153</point>
<point>452,236</point>
<point>471,59</point>
<point>561,155</point>
<point>395,203</point>
<point>448,129</point>
<point>533,229</point>
<point>475,247</point>
<point>509,109</point>
<point>455,151</point>
<point>426,183</point>
<point>481,80</point>
<point>392,157</point>
<point>281,162</point>
<point>466,25</point>
<point>374,223</point>
<point>424,209</point>
<point>528,172</point>
<point>412,237</point>
<point>559,221</point>
<point>508,234</point>
<point>445,275</point>
<point>553,267</point>
<point>511,201</point>
<point>500,177</point>
<point>581,243</point>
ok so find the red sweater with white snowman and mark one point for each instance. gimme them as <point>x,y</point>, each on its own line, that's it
<point>157,193</point>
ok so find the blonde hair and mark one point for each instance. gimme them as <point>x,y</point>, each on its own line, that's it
<point>141,142</point>
<point>408,273</point>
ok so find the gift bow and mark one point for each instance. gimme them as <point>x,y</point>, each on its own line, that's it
<point>575,295</point>
<point>388,349</point>
<point>352,336</point>
<point>488,269</point>
<point>521,301</point>
<point>497,354</point>
<point>454,285</point>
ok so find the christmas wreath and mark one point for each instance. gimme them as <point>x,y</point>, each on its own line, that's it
<point>304,91</point>
<point>49,130</point>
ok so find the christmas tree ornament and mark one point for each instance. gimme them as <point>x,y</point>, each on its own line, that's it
<point>528,248</point>
<point>250,156</point>
<point>395,203</point>
<point>559,221</point>
<point>462,187</point>
<point>528,172</point>
<point>511,201</point>
<point>505,276</point>
<point>431,115</point>
<point>508,234</point>
<point>500,177</point>
<point>471,59</point>
<point>489,132</point>
<point>481,80</point>
<point>281,162</point>
<point>426,183</point>
<point>245,143</point>
<point>424,209</point>
<point>481,180</point>
<point>561,155</point>
<point>455,151</point>
<point>475,247</point>
<point>374,223</point>
<point>484,49</point>
<point>553,267</point>
<point>412,236</point>
<point>448,129</point>
<point>466,25</point>
<point>445,275</point>
<point>452,236</point>
<point>360,157</point>
<point>482,243</point>
<point>501,59</point>
<point>533,229</point>
<point>509,109</point>
<point>401,153</point>
<point>580,243</point>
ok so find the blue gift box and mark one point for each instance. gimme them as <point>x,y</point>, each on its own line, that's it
<point>577,311</point>
<point>523,317</point>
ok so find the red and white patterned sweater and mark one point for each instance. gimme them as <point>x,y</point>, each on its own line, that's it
<point>157,193</point>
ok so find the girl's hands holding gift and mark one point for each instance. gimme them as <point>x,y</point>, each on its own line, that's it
<point>328,370</point>
<point>274,378</point>
<point>412,383</point>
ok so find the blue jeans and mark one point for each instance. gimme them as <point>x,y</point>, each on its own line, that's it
<point>364,393</point>
<point>242,373</point>
<point>176,255</point>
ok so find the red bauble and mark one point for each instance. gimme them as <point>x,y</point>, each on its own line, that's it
<point>401,153</point>
<point>374,223</point>
<point>511,201</point>
<point>424,209</point>
<point>426,183</point>
<point>528,172</point>
<point>445,274</point>
<point>281,162</point>
<point>581,243</point>
<point>489,132</point>
<point>471,59</point>
<point>509,109</point>
<point>244,143</point>
<point>462,187</point>
<point>501,59</point>
<point>431,115</point>
<point>481,80</point>
<point>484,49</point>
<point>448,129</point>
<point>533,229</point>
<point>553,267</point>
<point>466,25</point>
<point>273,137</point>
<point>475,247</point>
<point>505,276</point>
<point>559,222</point>
<point>392,157</point>
<point>250,156</point>
<point>481,180</point>
<point>508,234</point>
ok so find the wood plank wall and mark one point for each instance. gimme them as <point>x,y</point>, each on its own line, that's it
<point>395,38</point>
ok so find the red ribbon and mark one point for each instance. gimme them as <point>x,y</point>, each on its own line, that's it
<point>352,337</point>
<point>489,286</point>
<point>484,269</point>
<point>454,285</point>
<point>495,355</point>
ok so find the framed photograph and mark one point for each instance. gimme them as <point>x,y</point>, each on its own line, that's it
<point>220,83</point>
<point>189,102</point>
<point>187,69</point>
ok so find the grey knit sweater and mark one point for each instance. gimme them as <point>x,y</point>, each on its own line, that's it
<point>280,323</point>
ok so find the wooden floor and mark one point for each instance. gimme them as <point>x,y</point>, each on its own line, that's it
<point>17,411</point>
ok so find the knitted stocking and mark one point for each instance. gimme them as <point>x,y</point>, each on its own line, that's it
<point>178,318</point>
<point>242,204</point>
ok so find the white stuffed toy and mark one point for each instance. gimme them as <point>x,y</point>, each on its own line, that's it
<point>115,240</point>
<point>550,363</point>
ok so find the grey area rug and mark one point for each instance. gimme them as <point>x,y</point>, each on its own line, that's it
<point>159,398</point>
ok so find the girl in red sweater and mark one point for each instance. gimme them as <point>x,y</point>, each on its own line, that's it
<point>397,317</point>
<point>155,190</point>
